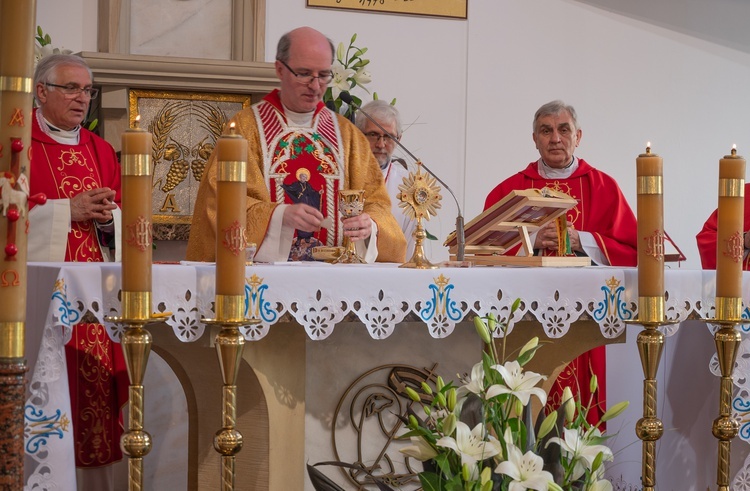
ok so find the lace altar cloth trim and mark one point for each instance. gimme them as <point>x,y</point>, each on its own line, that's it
<point>318,296</point>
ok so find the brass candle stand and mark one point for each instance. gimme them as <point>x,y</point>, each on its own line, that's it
<point>727,339</point>
<point>136,347</point>
<point>650,428</point>
<point>229,346</point>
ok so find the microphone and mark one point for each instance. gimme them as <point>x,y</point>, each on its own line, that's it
<point>460,239</point>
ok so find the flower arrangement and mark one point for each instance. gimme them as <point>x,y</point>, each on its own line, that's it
<point>44,46</point>
<point>479,437</point>
<point>349,71</point>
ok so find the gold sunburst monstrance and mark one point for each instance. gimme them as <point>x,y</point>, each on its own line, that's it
<point>419,197</point>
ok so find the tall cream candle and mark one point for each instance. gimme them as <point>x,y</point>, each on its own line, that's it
<point>649,169</point>
<point>729,240</point>
<point>137,225</point>
<point>231,215</point>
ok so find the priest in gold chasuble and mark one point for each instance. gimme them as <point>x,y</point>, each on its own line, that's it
<point>301,155</point>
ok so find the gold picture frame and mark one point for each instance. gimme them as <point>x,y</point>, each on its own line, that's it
<point>185,127</point>
<point>435,8</point>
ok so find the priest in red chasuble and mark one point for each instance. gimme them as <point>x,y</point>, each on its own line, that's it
<point>80,175</point>
<point>707,237</point>
<point>300,156</point>
<point>602,226</point>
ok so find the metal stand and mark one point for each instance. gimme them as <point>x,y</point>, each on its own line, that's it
<point>228,440</point>
<point>727,339</point>
<point>136,346</point>
<point>650,346</point>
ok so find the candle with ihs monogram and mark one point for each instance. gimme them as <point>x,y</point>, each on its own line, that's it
<point>649,171</point>
<point>729,239</point>
<point>137,239</point>
<point>231,217</point>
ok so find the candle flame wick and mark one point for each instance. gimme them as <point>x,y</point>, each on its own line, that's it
<point>137,122</point>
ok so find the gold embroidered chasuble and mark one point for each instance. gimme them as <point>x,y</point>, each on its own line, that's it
<point>289,164</point>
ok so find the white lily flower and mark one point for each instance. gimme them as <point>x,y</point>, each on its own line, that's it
<point>575,447</point>
<point>470,445</point>
<point>601,485</point>
<point>475,383</point>
<point>362,77</point>
<point>526,470</point>
<point>518,383</point>
<point>340,81</point>
<point>420,449</point>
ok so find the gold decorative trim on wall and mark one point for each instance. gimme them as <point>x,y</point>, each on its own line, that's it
<point>438,8</point>
<point>185,127</point>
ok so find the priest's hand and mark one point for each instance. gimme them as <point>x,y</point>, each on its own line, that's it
<point>357,228</point>
<point>94,204</point>
<point>302,217</point>
<point>546,237</point>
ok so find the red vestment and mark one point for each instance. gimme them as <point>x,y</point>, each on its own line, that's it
<point>97,375</point>
<point>602,211</point>
<point>706,238</point>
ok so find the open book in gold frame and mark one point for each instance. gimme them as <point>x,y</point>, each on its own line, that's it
<point>507,224</point>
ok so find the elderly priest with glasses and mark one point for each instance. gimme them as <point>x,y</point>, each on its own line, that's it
<point>80,175</point>
<point>301,156</point>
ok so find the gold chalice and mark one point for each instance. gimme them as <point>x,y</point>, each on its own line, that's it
<point>351,204</point>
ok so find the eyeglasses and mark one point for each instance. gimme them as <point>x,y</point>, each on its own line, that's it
<point>307,78</point>
<point>72,91</point>
<point>375,137</point>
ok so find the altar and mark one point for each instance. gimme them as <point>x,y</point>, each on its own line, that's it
<point>315,377</point>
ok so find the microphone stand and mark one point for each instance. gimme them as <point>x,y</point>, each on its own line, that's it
<point>460,239</point>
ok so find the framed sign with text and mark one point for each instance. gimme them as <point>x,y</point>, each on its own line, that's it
<point>438,8</point>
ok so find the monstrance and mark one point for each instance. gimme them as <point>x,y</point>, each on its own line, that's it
<point>420,198</point>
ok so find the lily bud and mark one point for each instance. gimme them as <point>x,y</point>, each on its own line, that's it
<point>412,394</point>
<point>547,425</point>
<point>439,383</point>
<point>413,423</point>
<point>449,424</point>
<point>519,407</point>
<point>492,321</point>
<point>426,388</point>
<point>451,404</point>
<point>530,344</point>
<point>427,410</point>
<point>466,472</point>
<point>340,52</point>
<point>570,404</point>
<point>482,330</point>
<point>615,410</point>
<point>440,398</point>
<point>486,475</point>
<point>594,383</point>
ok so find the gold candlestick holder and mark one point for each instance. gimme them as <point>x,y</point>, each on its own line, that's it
<point>136,347</point>
<point>650,428</point>
<point>228,441</point>
<point>727,339</point>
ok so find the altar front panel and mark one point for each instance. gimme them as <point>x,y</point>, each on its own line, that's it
<point>322,327</point>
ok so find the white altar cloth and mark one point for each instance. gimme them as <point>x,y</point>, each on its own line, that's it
<point>318,296</point>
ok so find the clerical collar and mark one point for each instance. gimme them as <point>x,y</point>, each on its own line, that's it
<point>303,120</point>
<point>66,137</point>
<point>548,172</point>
